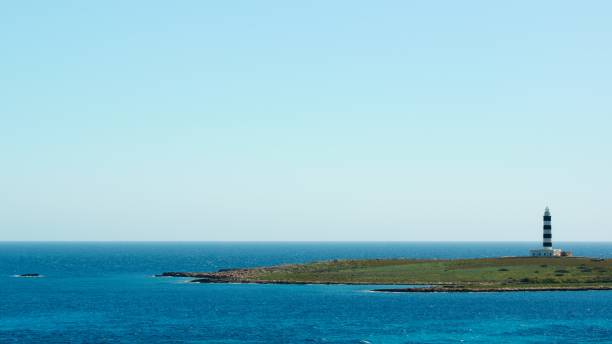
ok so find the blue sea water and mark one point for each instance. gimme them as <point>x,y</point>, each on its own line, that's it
<point>105,292</point>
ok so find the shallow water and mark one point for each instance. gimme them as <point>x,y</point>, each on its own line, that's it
<point>104,292</point>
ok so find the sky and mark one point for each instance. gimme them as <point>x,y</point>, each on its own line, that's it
<point>305,120</point>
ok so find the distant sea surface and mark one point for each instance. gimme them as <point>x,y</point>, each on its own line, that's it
<point>105,293</point>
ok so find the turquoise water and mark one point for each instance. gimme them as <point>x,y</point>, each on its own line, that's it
<point>104,292</point>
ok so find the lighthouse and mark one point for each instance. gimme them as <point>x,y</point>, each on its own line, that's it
<point>547,250</point>
<point>547,238</point>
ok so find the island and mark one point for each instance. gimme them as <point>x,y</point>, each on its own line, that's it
<point>431,275</point>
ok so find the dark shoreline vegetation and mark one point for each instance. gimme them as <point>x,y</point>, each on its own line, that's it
<point>431,275</point>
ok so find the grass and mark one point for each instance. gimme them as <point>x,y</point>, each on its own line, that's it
<point>485,272</point>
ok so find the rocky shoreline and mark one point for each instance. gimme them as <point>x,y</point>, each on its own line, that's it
<point>239,276</point>
<point>486,290</point>
<point>221,276</point>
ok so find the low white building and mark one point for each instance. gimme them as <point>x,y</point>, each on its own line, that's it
<point>546,252</point>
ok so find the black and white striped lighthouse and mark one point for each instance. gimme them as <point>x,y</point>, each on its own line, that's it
<point>547,238</point>
<point>547,250</point>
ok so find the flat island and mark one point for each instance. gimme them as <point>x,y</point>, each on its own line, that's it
<point>431,275</point>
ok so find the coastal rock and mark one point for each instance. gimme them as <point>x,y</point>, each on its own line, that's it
<point>222,276</point>
<point>183,274</point>
<point>202,277</point>
<point>30,275</point>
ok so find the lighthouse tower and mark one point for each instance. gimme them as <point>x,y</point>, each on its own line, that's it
<point>547,250</point>
<point>547,242</point>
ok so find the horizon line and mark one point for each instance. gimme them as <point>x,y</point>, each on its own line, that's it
<point>298,241</point>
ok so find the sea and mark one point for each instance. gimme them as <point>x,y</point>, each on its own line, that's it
<point>106,292</point>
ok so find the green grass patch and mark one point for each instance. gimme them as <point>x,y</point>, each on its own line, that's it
<point>485,271</point>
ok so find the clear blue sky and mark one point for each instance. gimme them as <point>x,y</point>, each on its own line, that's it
<point>305,120</point>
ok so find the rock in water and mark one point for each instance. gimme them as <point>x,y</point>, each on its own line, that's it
<point>29,275</point>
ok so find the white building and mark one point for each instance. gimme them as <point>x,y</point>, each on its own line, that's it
<point>546,252</point>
